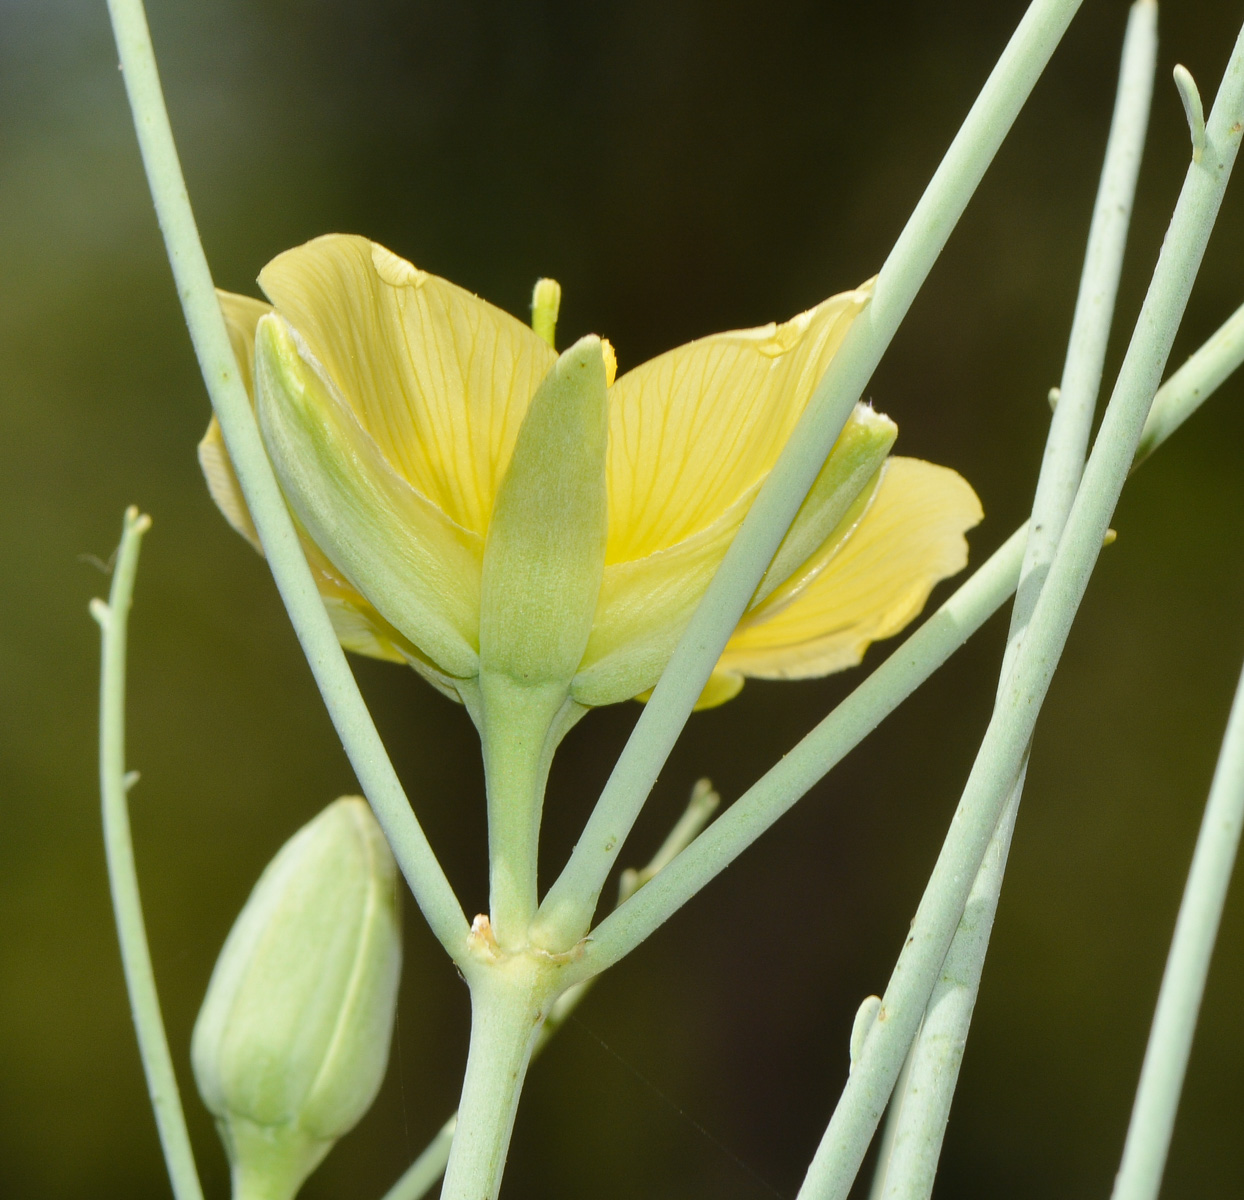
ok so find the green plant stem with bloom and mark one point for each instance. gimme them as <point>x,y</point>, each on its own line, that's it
<point>489,1086</point>
<point>282,549</point>
<point>690,859</point>
<point>851,1128</point>
<point>920,1110</point>
<point>1183,981</point>
<point>567,910</point>
<point>114,786</point>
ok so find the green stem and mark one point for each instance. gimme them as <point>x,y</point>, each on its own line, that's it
<point>509,1001</point>
<point>417,1180</point>
<point>934,1060</point>
<point>777,791</point>
<point>280,541</point>
<point>851,1128</point>
<point>924,1092</point>
<point>520,729</point>
<point>568,908</point>
<point>1183,982</point>
<point>114,783</point>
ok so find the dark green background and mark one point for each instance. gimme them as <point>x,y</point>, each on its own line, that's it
<point>682,168</point>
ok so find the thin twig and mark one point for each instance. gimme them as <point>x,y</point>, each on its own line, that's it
<point>114,784</point>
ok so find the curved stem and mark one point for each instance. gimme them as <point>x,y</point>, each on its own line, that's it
<point>127,908</point>
<point>282,549</point>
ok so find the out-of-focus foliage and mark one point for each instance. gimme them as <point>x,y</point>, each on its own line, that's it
<point>681,168</point>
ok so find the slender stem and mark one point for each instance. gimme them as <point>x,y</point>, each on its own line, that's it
<point>851,1128</point>
<point>937,1053</point>
<point>280,541</point>
<point>777,791</point>
<point>890,1128</point>
<point>114,783</point>
<point>1063,463</point>
<point>419,1177</point>
<point>568,908</point>
<point>1183,982</point>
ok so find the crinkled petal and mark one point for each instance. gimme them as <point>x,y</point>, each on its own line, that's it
<point>439,379</point>
<point>910,538</point>
<point>695,429</point>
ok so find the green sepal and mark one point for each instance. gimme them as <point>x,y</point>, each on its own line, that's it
<point>417,568</point>
<point>857,455</point>
<point>545,553</point>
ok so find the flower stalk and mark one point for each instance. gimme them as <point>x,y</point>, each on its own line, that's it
<point>921,1110</point>
<point>1187,967</point>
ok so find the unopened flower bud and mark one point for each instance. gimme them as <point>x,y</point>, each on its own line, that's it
<point>292,1041</point>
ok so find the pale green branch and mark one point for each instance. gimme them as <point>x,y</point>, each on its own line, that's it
<point>568,907</point>
<point>1187,967</point>
<point>934,1061</point>
<point>851,1128</point>
<point>280,541</point>
<point>986,590</point>
<point>114,784</point>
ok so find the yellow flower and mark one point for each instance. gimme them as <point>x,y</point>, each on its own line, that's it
<point>393,404</point>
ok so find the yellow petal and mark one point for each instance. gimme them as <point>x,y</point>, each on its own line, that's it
<point>694,430</point>
<point>721,686</point>
<point>644,607</point>
<point>879,578</point>
<point>222,483</point>
<point>438,379</point>
<point>645,603</point>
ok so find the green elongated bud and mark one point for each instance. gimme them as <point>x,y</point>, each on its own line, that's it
<point>292,1041</point>
<point>545,553</point>
<point>419,569</point>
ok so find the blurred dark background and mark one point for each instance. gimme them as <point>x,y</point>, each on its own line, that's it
<point>682,167</point>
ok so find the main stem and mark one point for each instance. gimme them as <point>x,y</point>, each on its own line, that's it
<point>509,1001</point>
